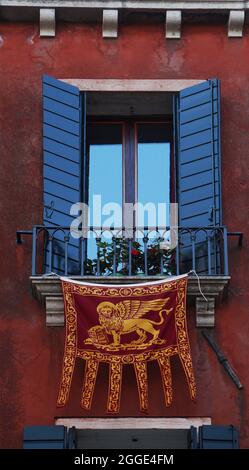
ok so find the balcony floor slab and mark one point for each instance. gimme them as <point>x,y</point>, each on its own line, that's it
<point>48,291</point>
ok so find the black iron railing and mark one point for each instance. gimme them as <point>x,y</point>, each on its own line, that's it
<point>146,251</point>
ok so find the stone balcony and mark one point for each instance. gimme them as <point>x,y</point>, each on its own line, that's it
<point>47,289</point>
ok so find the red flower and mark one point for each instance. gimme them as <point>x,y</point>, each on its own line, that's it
<point>135,252</point>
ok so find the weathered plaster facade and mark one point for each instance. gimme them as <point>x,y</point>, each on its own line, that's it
<point>30,370</point>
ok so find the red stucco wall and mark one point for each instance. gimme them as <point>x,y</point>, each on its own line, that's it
<point>30,353</point>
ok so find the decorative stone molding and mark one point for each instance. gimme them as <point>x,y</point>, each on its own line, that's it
<point>110,24</point>
<point>90,10</point>
<point>47,22</point>
<point>54,310</point>
<point>173,24</point>
<point>48,291</point>
<point>132,423</point>
<point>131,85</point>
<point>206,312</point>
<point>236,24</point>
<point>134,4</point>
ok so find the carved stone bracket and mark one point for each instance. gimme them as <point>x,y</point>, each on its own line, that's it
<point>110,24</point>
<point>47,22</point>
<point>236,23</point>
<point>214,289</point>
<point>205,312</point>
<point>173,24</point>
<point>48,291</point>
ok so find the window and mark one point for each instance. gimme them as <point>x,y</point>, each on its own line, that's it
<point>123,158</point>
<point>61,437</point>
<point>69,177</point>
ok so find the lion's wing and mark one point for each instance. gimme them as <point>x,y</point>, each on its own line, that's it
<point>137,308</point>
<point>128,308</point>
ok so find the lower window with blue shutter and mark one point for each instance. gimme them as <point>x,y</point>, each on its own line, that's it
<point>198,176</point>
<point>59,437</point>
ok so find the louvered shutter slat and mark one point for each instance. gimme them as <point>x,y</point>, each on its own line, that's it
<point>60,122</point>
<point>60,109</point>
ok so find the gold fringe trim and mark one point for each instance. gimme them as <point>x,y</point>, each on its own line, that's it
<point>90,375</point>
<point>115,382</point>
<point>70,350</point>
<point>165,369</point>
<point>183,340</point>
<point>142,384</point>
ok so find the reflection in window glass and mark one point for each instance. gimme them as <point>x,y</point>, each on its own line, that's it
<point>153,171</point>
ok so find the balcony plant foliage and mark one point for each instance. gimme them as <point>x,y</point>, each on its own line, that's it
<point>159,260</point>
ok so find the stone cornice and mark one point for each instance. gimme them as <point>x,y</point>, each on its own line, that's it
<point>132,4</point>
<point>48,291</point>
<point>111,10</point>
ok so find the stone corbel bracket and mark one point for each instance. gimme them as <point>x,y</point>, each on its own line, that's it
<point>173,24</point>
<point>110,24</point>
<point>236,23</point>
<point>47,22</point>
<point>48,291</point>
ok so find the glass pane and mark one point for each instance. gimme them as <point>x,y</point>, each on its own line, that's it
<point>153,195</point>
<point>153,172</point>
<point>105,163</point>
<point>105,179</point>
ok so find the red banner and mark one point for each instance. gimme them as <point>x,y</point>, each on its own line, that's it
<point>125,324</point>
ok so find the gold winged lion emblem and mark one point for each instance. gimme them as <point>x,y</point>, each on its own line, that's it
<point>125,317</point>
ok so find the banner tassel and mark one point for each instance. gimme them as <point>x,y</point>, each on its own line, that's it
<point>164,364</point>
<point>115,382</point>
<point>90,375</point>
<point>142,384</point>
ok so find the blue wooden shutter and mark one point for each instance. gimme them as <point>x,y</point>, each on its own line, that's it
<point>192,438</point>
<point>45,437</point>
<point>198,169</point>
<point>218,437</point>
<point>62,145</point>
